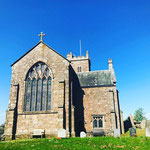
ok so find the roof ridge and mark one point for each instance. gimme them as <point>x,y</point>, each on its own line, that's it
<point>94,71</point>
<point>96,78</point>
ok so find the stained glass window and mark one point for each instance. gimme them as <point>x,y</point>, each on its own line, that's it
<point>38,99</point>
<point>33,94</point>
<point>47,72</point>
<point>38,88</point>
<point>28,95</point>
<point>44,94</point>
<point>49,94</point>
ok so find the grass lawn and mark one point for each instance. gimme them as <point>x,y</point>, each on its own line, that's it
<point>139,132</point>
<point>127,143</point>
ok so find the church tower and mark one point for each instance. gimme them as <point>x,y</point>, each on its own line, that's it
<point>80,63</point>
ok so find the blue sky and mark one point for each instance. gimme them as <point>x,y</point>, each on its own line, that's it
<point>117,29</point>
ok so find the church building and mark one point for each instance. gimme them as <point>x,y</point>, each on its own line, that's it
<point>50,92</point>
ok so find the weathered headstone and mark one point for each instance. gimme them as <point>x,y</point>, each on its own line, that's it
<point>62,133</point>
<point>143,124</point>
<point>116,133</point>
<point>147,123</point>
<point>132,120</point>
<point>82,134</point>
<point>147,131</point>
<point>132,131</point>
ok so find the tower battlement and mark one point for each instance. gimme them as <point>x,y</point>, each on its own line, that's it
<point>80,63</point>
<point>70,56</point>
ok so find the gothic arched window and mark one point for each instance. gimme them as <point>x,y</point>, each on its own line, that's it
<point>38,88</point>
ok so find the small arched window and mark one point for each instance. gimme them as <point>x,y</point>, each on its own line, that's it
<point>38,88</point>
<point>95,123</point>
<point>98,121</point>
<point>79,69</point>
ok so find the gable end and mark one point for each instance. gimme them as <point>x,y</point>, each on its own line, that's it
<point>33,48</point>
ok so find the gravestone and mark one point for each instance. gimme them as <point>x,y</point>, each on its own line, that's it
<point>143,124</point>
<point>62,133</point>
<point>132,120</point>
<point>132,131</point>
<point>116,133</point>
<point>147,131</point>
<point>147,123</point>
<point>82,134</point>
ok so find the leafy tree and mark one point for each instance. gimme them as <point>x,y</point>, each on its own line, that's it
<point>2,125</point>
<point>139,115</point>
<point>2,129</point>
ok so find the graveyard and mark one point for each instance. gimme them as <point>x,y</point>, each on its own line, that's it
<point>124,142</point>
<point>135,138</point>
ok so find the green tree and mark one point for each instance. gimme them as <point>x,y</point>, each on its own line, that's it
<point>2,125</point>
<point>2,129</point>
<point>139,115</point>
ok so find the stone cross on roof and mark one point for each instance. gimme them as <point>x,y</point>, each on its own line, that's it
<point>41,35</point>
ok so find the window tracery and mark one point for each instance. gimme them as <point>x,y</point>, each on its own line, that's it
<point>38,88</point>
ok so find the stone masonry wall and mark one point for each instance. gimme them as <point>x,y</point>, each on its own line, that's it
<point>70,110</point>
<point>48,122</point>
<point>98,101</point>
<point>80,61</point>
<point>84,64</point>
<point>59,67</point>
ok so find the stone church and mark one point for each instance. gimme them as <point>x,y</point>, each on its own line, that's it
<point>51,92</point>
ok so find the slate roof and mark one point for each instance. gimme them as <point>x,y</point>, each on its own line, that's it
<point>97,78</point>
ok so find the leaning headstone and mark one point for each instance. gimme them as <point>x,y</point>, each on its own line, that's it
<point>147,131</point>
<point>116,133</point>
<point>132,131</point>
<point>62,133</point>
<point>82,134</point>
<point>132,120</point>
